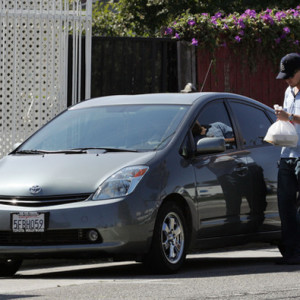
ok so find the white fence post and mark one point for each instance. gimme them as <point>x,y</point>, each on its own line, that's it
<point>34,38</point>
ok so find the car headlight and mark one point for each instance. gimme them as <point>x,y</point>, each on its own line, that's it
<point>120,184</point>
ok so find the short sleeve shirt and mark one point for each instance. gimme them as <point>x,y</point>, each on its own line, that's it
<point>219,129</point>
<point>291,104</point>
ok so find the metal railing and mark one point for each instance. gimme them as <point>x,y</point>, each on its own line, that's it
<point>34,42</point>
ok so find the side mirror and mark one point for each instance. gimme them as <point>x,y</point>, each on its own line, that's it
<point>211,145</point>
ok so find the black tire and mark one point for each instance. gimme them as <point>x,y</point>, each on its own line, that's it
<point>9,266</point>
<point>169,242</point>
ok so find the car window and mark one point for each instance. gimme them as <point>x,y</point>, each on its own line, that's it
<point>214,121</point>
<point>253,123</point>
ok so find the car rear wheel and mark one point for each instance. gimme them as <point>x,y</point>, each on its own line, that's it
<point>9,266</point>
<point>168,249</point>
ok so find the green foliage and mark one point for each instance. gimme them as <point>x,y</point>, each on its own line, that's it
<point>137,17</point>
<point>147,18</point>
<point>239,6</point>
<point>272,33</point>
<point>238,24</point>
<point>107,21</point>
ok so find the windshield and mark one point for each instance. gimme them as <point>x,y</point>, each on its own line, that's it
<point>127,127</point>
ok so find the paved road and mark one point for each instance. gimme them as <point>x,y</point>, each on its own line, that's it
<point>243,274</point>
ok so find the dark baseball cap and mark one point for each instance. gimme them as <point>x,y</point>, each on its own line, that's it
<point>289,64</point>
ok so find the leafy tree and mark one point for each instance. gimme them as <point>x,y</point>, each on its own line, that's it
<point>148,18</point>
<point>271,32</point>
<point>239,6</point>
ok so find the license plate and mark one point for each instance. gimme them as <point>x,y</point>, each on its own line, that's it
<point>28,222</point>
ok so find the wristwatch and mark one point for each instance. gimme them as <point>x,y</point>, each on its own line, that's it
<point>291,117</point>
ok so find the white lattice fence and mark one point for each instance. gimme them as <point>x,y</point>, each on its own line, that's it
<point>34,37</point>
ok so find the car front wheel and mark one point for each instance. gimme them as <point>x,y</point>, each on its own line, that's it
<point>168,249</point>
<point>9,266</point>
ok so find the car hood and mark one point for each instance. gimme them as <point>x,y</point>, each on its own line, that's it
<point>62,174</point>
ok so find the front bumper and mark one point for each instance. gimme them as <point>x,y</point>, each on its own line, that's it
<point>124,226</point>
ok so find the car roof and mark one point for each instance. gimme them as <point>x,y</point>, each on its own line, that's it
<point>157,98</point>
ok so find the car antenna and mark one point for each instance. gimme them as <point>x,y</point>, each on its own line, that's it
<point>209,67</point>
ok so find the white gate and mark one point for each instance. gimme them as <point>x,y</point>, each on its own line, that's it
<point>34,37</point>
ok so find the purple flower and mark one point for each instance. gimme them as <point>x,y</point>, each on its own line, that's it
<point>177,36</point>
<point>191,22</point>
<point>286,30</point>
<point>205,14</point>
<point>241,32</point>
<point>238,38</point>
<point>194,42</point>
<point>277,41</point>
<point>283,36</point>
<point>296,14</point>
<point>168,31</point>
<point>218,15</point>
<point>280,15</point>
<point>296,42</point>
<point>267,19</point>
<point>225,26</point>
<point>251,13</point>
<point>258,40</point>
<point>214,20</point>
<point>268,10</point>
<point>241,23</point>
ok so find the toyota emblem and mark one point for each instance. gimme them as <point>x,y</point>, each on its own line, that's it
<point>36,189</point>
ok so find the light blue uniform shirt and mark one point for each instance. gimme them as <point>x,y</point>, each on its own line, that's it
<point>291,104</point>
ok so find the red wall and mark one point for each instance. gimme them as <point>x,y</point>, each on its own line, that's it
<point>230,73</point>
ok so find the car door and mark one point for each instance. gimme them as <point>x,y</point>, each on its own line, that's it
<point>221,178</point>
<point>253,123</point>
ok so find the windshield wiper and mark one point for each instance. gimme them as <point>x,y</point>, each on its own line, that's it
<point>30,152</point>
<point>72,151</point>
<point>106,149</point>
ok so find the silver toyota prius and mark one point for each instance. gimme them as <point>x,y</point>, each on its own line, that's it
<point>145,177</point>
